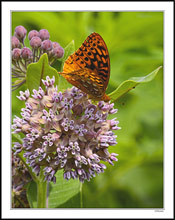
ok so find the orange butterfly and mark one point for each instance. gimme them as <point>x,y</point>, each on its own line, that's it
<point>88,68</point>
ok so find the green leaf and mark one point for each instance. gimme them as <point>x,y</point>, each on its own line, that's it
<point>68,50</point>
<point>131,83</point>
<point>32,194</point>
<point>16,138</point>
<point>39,70</point>
<point>64,194</point>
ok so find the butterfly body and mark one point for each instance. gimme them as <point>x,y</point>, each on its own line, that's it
<point>88,68</point>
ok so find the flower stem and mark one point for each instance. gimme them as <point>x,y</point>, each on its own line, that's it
<point>81,195</point>
<point>41,191</point>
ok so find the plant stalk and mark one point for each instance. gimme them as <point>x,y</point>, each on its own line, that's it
<point>41,191</point>
<point>81,195</point>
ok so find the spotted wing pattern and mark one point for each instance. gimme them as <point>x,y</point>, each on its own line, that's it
<point>89,67</point>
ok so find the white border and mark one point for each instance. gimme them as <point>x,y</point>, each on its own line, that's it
<point>167,7</point>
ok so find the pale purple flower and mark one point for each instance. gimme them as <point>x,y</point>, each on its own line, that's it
<point>74,148</point>
<point>48,116</point>
<point>19,124</point>
<point>80,160</point>
<point>23,95</point>
<point>34,134</point>
<point>49,174</point>
<point>27,143</point>
<point>80,130</point>
<point>62,152</point>
<point>17,147</point>
<point>67,104</point>
<point>48,82</point>
<point>57,97</point>
<point>26,112</point>
<point>67,124</point>
<point>40,154</point>
<point>49,139</point>
<point>89,114</point>
<point>38,94</point>
<point>99,117</point>
<point>76,93</point>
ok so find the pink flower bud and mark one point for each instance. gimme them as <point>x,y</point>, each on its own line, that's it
<point>16,54</point>
<point>58,52</point>
<point>33,33</point>
<point>77,109</point>
<point>44,34</point>
<point>26,53</point>
<point>20,32</point>
<point>46,45</point>
<point>35,42</point>
<point>55,44</point>
<point>15,42</point>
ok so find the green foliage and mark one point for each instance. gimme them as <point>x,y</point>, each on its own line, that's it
<point>32,194</point>
<point>39,70</point>
<point>135,44</point>
<point>130,84</point>
<point>64,194</point>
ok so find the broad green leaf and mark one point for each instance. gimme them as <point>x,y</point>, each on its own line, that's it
<point>131,83</point>
<point>68,50</point>
<point>64,194</point>
<point>32,194</point>
<point>39,70</point>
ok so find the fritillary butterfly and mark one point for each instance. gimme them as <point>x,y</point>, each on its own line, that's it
<point>88,68</point>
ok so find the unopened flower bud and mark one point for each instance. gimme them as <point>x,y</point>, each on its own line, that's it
<point>55,44</point>
<point>77,109</point>
<point>16,53</point>
<point>15,42</point>
<point>33,33</point>
<point>26,53</point>
<point>35,42</point>
<point>90,135</point>
<point>20,32</point>
<point>58,52</point>
<point>44,34</point>
<point>46,45</point>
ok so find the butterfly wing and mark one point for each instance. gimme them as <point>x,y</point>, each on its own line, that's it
<point>87,81</point>
<point>89,66</point>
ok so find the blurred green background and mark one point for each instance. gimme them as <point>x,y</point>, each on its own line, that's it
<point>135,44</point>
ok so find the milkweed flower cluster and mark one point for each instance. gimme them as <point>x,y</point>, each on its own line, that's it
<point>64,130</point>
<point>22,56</point>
